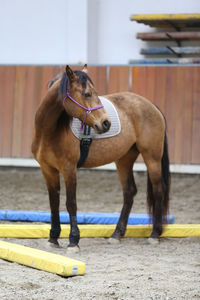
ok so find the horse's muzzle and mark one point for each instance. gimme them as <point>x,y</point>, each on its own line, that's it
<point>102,127</point>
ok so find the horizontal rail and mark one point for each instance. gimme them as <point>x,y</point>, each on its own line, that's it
<point>159,36</point>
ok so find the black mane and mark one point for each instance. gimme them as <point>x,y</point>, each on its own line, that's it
<point>52,81</point>
<point>63,86</point>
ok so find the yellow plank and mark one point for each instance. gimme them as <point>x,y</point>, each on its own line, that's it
<point>161,17</point>
<point>42,231</point>
<point>168,20</point>
<point>41,260</point>
<point>181,230</point>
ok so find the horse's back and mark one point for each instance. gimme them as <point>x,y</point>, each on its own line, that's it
<point>148,121</point>
<point>134,104</point>
<point>141,112</point>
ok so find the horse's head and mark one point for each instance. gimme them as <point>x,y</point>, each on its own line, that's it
<point>81,100</point>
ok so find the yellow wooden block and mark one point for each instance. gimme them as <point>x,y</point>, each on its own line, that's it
<point>42,231</point>
<point>176,21</point>
<point>30,231</point>
<point>161,17</point>
<point>181,230</point>
<point>41,260</point>
<point>170,230</point>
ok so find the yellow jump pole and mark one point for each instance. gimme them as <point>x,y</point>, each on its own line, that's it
<point>41,260</point>
<point>42,231</point>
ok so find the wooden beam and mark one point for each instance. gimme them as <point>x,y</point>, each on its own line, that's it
<point>168,20</point>
<point>41,260</point>
<point>86,231</point>
<point>165,61</point>
<point>159,36</point>
<point>171,50</point>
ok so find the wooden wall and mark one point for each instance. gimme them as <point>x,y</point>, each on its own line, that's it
<point>175,89</point>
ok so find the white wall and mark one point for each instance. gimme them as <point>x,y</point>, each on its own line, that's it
<point>77,31</point>
<point>43,31</point>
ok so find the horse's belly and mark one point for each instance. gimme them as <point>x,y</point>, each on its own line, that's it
<point>105,151</point>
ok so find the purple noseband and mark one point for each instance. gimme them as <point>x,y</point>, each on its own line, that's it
<point>88,110</point>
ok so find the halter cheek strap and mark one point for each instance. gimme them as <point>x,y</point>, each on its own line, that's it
<point>88,110</point>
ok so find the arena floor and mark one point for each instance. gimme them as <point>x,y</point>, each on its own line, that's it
<point>130,270</point>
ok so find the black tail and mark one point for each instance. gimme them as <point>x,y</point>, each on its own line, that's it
<point>165,180</point>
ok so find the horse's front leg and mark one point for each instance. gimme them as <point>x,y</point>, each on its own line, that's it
<point>51,176</point>
<point>70,182</point>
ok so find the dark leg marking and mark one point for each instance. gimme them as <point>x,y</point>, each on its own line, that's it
<point>55,219</point>
<point>71,205</point>
<point>129,192</point>
<point>74,236</point>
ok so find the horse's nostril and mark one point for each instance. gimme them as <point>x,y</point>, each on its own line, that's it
<point>106,125</point>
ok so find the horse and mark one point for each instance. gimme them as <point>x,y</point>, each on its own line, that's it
<point>57,150</point>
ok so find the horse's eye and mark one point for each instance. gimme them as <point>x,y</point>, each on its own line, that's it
<point>88,95</point>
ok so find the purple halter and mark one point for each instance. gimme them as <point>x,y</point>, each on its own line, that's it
<point>88,110</point>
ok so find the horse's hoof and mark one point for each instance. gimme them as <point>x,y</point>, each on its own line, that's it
<point>153,241</point>
<point>73,249</point>
<point>53,243</point>
<point>113,241</point>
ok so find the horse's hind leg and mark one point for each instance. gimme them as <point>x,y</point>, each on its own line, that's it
<point>155,195</point>
<point>125,174</point>
<point>52,179</point>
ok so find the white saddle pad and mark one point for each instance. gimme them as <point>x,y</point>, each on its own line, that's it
<point>115,127</point>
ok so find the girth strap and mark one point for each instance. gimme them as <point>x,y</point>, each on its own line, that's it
<point>84,146</point>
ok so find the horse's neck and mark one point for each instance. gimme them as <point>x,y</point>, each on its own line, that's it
<point>49,112</point>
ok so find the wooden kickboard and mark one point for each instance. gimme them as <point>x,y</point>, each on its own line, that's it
<point>41,260</point>
<point>159,36</point>
<point>89,231</point>
<point>168,20</point>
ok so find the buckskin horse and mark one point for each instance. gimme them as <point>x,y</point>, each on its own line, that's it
<point>143,130</point>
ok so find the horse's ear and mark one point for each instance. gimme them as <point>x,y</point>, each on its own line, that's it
<point>70,74</point>
<point>85,69</point>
